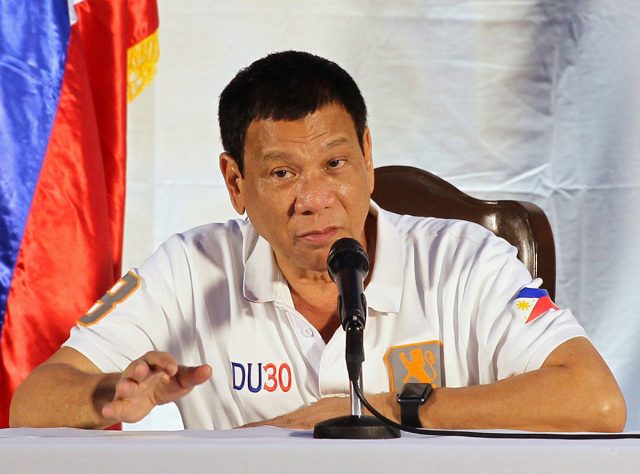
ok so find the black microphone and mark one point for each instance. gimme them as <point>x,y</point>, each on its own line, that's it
<point>348,266</point>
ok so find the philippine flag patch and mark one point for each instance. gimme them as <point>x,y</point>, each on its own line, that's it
<point>533,302</point>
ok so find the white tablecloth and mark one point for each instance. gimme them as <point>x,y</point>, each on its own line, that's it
<point>273,450</point>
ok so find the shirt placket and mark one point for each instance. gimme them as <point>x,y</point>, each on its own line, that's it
<point>308,339</point>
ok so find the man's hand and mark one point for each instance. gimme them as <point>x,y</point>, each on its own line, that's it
<point>307,417</point>
<point>69,390</point>
<point>153,379</point>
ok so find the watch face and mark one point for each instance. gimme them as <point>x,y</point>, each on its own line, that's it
<point>414,391</point>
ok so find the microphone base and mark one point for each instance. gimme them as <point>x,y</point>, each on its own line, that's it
<point>354,427</point>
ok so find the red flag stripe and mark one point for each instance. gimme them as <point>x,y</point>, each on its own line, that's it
<point>543,305</point>
<point>72,245</point>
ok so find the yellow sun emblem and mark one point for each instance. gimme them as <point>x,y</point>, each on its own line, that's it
<point>523,305</point>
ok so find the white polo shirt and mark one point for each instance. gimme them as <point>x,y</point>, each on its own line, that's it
<point>440,309</point>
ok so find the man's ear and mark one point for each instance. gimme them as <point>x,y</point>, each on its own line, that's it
<point>368,157</point>
<point>233,181</point>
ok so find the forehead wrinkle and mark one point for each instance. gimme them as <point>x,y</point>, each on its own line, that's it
<point>277,153</point>
<point>274,155</point>
<point>280,148</point>
<point>282,139</point>
<point>275,140</point>
<point>336,142</point>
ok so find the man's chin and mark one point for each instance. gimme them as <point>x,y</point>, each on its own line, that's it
<point>318,265</point>
<point>304,261</point>
<point>315,261</point>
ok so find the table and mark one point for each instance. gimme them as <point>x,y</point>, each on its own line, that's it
<point>266,450</point>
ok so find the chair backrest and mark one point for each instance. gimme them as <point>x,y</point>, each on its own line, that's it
<point>408,190</point>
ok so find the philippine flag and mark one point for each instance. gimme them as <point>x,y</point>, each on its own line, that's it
<point>67,68</point>
<point>532,303</point>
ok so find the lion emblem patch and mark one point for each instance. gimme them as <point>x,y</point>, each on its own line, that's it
<point>418,362</point>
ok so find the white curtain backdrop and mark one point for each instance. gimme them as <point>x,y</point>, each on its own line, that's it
<point>532,100</point>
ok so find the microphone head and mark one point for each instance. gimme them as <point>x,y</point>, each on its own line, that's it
<point>347,252</point>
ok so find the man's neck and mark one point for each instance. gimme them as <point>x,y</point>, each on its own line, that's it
<point>314,294</point>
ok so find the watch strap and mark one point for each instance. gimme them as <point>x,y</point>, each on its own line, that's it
<point>412,397</point>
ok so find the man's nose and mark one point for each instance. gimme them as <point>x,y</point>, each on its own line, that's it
<point>313,196</point>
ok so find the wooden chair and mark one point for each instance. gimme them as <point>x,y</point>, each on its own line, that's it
<point>408,190</point>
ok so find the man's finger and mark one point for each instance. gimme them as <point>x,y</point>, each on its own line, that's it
<point>137,371</point>
<point>120,410</point>
<point>189,377</point>
<point>140,369</point>
<point>108,411</point>
<point>125,388</point>
<point>161,361</point>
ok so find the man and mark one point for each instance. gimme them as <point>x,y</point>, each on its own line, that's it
<point>237,322</point>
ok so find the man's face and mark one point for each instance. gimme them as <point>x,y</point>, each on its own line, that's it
<point>306,184</point>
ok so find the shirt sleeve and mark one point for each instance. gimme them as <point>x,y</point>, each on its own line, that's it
<point>528,342</point>
<point>506,341</point>
<point>142,312</point>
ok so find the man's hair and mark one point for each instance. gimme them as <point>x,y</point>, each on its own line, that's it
<point>285,86</point>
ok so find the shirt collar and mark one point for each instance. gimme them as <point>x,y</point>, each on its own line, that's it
<point>262,277</point>
<point>384,291</point>
<point>263,282</point>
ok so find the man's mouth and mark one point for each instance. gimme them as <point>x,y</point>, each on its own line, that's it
<point>320,236</point>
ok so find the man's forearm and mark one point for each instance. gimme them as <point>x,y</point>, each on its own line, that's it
<point>60,395</point>
<point>537,401</point>
<point>573,391</point>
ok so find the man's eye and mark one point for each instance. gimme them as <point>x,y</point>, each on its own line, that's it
<point>280,173</point>
<point>335,164</point>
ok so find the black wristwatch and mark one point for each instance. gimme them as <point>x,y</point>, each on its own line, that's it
<point>413,395</point>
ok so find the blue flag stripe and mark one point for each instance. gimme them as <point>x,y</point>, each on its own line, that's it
<point>532,293</point>
<point>34,36</point>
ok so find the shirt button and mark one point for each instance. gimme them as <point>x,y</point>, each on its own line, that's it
<point>307,332</point>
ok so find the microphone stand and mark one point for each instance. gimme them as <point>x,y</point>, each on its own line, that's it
<point>348,266</point>
<point>356,425</point>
